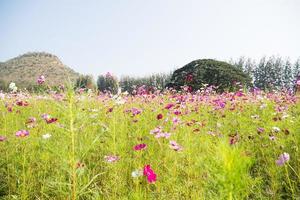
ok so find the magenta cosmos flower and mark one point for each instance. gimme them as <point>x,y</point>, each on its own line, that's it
<point>48,118</point>
<point>282,159</point>
<point>149,173</point>
<point>169,106</point>
<point>22,133</point>
<point>41,79</point>
<point>140,147</point>
<point>159,116</point>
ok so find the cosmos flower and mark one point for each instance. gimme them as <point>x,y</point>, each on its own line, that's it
<point>46,136</point>
<point>282,159</point>
<point>31,120</point>
<point>176,147</point>
<point>2,138</point>
<point>139,147</point>
<point>260,130</point>
<point>22,103</point>
<point>275,129</point>
<point>272,137</point>
<point>41,79</point>
<point>176,120</point>
<point>22,133</point>
<point>137,173</point>
<point>149,173</point>
<point>135,111</point>
<point>156,130</point>
<point>169,106</point>
<point>298,82</point>
<point>111,158</point>
<point>163,135</point>
<point>48,118</point>
<point>159,116</point>
<point>177,112</point>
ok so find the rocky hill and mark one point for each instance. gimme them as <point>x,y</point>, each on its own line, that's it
<point>25,69</point>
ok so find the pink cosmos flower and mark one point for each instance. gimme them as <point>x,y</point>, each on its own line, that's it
<point>282,159</point>
<point>22,133</point>
<point>140,147</point>
<point>135,111</point>
<point>173,145</point>
<point>111,158</point>
<point>175,120</point>
<point>163,135</point>
<point>298,82</point>
<point>41,79</point>
<point>31,120</point>
<point>2,138</point>
<point>272,137</point>
<point>260,130</point>
<point>149,173</point>
<point>156,130</point>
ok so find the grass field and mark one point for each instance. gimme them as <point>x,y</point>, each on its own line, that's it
<point>202,146</point>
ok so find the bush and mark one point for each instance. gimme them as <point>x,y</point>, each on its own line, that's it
<point>150,83</point>
<point>3,85</point>
<point>85,81</point>
<point>108,83</point>
<point>208,71</point>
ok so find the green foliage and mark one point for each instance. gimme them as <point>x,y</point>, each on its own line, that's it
<point>85,81</point>
<point>272,73</point>
<point>154,81</point>
<point>208,71</point>
<point>3,85</point>
<point>108,83</point>
<point>70,164</point>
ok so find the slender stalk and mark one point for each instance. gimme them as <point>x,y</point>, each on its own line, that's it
<point>289,181</point>
<point>73,161</point>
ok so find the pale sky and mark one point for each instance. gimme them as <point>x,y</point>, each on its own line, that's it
<point>139,37</point>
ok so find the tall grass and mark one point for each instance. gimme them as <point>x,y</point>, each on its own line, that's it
<point>223,155</point>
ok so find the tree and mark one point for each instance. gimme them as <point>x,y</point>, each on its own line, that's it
<point>85,81</point>
<point>108,83</point>
<point>288,78</point>
<point>208,71</point>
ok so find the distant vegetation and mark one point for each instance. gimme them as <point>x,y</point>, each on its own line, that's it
<point>152,82</point>
<point>108,83</point>
<point>208,71</point>
<point>25,69</point>
<point>269,73</point>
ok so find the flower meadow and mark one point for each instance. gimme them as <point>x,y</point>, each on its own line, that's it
<point>165,145</point>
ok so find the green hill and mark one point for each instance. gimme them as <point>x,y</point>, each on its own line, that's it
<point>25,69</point>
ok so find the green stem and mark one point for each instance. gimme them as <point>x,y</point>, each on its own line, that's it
<point>73,161</point>
<point>289,181</point>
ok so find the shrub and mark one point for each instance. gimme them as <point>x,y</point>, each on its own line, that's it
<point>85,81</point>
<point>108,83</point>
<point>208,71</point>
<point>3,85</point>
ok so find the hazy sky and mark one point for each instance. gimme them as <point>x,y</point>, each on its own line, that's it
<point>138,37</point>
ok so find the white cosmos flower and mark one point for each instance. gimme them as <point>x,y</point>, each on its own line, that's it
<point>46,136</point>
<point>137,173</point>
